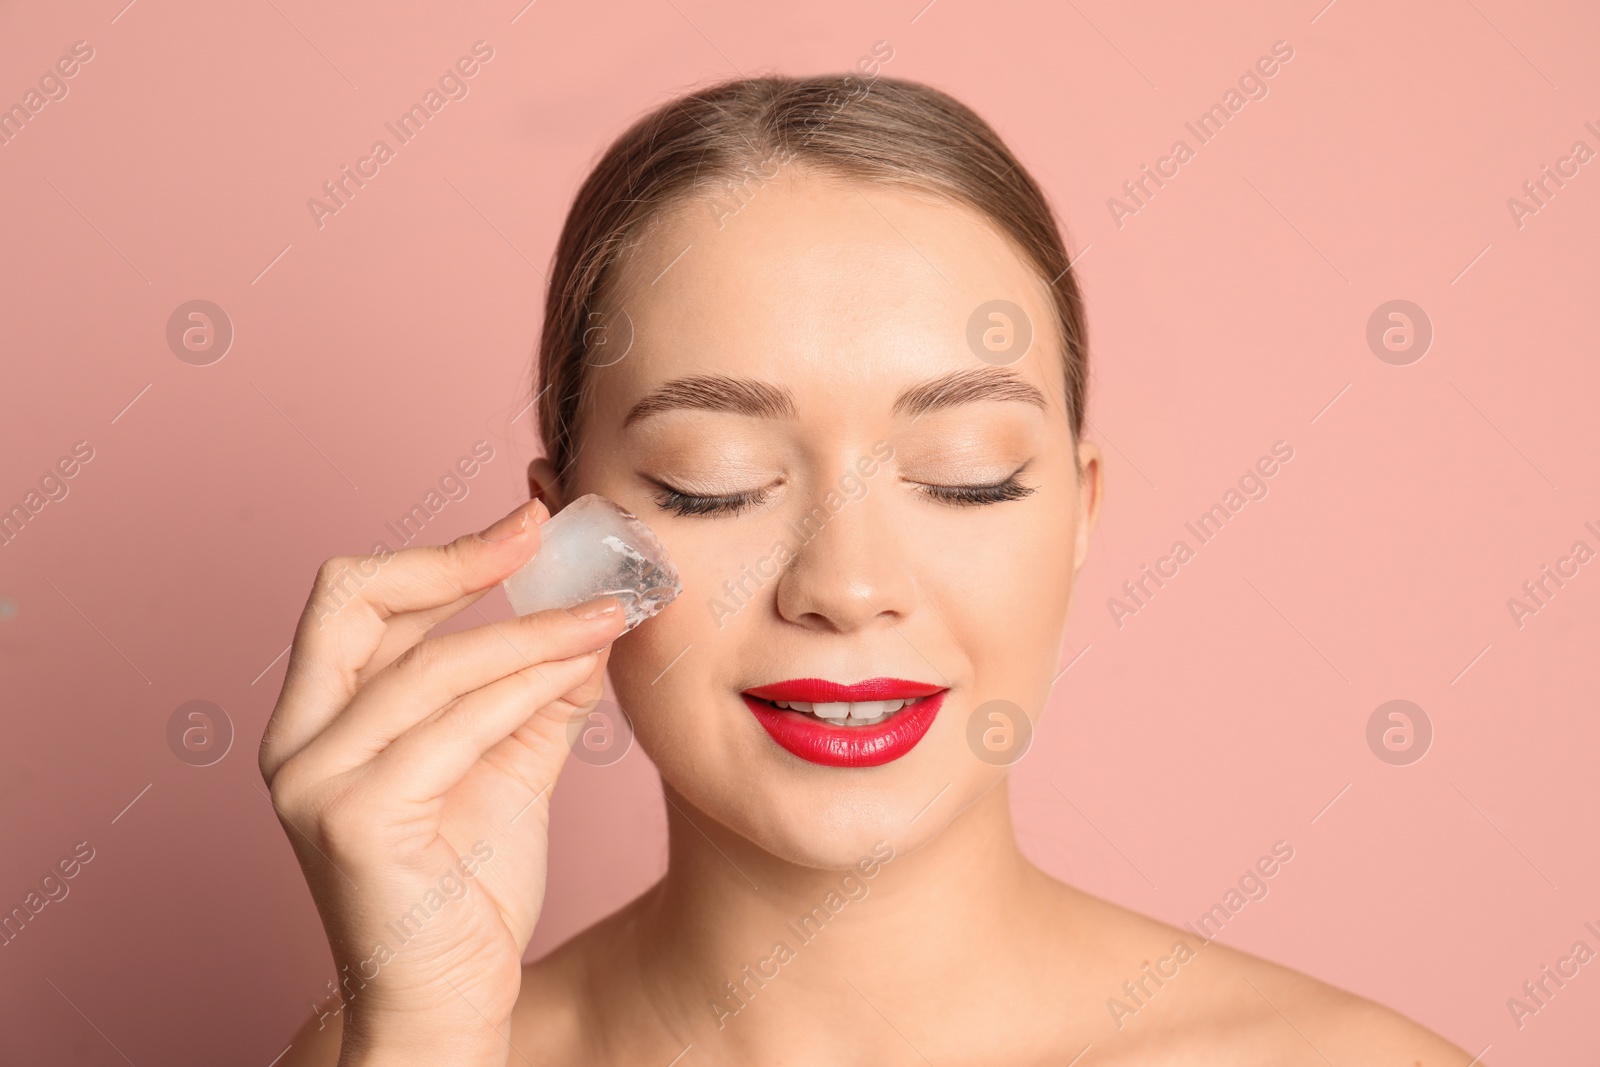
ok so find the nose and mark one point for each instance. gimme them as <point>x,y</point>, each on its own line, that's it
<point>848,572</point>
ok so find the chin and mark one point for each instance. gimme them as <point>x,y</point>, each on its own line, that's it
<point>809,813</point>
<point>830,825</point>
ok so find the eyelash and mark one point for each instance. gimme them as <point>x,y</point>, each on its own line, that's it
<point>972,495</point>
<point>687,504</point>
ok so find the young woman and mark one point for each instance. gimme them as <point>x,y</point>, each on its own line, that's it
<point>822,336</point>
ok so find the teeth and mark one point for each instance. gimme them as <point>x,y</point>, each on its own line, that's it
<point>854,713</point>
<point>873,709</point>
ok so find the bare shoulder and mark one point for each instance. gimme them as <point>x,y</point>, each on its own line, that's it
<point>549,1012</point>
<point>1172,996</point>
<point>562,990</point>
<point>1292,1013</point>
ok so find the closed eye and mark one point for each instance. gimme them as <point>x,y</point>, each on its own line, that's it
<point>679,502</point>
<point>969,495</point>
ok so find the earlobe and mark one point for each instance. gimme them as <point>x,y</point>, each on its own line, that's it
<point>543,484</point>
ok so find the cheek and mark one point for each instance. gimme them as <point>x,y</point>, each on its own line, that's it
<point>729,571</point>
<point>1005,588</point>
<point>664,670</point>
<point>661,687</point>
<point>1004,598</point>
<point>640,656</point>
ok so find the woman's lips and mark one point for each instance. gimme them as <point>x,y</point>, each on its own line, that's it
<point>835,745</point>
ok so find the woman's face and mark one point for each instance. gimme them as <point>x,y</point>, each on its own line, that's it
<point>850,491</point>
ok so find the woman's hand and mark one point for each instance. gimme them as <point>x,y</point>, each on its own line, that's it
<point>413,777</point>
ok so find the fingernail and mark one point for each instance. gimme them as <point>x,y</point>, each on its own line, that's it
<point>510,526</point>
<point>594,609</point>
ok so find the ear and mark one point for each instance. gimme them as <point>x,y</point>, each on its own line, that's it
<point>1091,491</point>
<point>543,484</point>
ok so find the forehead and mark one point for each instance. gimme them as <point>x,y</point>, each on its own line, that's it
<point>822,282</point>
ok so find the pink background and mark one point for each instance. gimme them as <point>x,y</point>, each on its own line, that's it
<point>1225,315</point>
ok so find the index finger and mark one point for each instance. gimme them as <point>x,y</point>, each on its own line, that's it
<point>432,576</point>
<point>356,602</point>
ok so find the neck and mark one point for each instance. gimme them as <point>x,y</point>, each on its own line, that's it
<point>738,945</point>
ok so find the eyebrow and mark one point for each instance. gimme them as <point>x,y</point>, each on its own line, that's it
<point>748,396</point>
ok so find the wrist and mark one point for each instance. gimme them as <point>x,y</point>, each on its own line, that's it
<point>412,1057</point>
<point>478,1044</point>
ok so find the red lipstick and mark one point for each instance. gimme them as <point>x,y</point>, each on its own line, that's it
<point>819,741</point>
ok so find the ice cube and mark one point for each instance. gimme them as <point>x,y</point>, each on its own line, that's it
<point>593,548</point>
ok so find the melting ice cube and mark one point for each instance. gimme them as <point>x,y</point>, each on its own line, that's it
<point>594,548</point>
